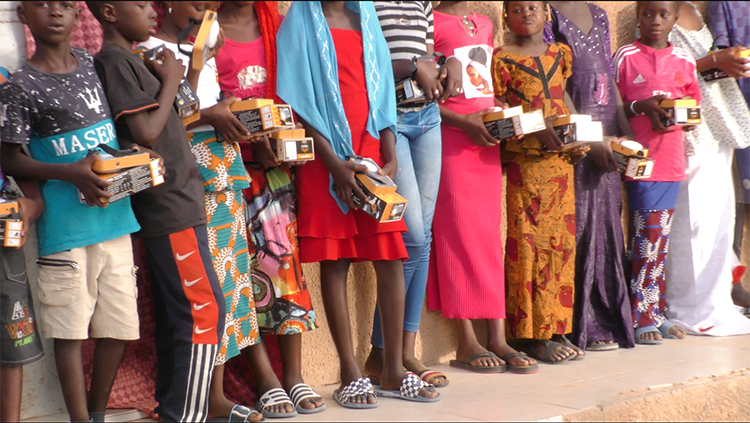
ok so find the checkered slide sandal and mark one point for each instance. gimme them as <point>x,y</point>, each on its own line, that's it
<point>301,392</point>
<point>361,386</point>
<point>273,397</point>
<point>410,387</point>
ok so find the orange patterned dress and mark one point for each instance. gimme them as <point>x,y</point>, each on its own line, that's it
<point>540,250</point>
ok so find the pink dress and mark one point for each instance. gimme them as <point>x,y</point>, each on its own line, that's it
<point>466,279</point>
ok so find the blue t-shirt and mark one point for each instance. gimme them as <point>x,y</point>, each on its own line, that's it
<point>61,117</point>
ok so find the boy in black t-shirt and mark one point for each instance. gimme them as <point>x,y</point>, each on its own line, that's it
<point>188,302</point>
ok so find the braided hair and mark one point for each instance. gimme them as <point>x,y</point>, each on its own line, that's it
<point>268,20</point>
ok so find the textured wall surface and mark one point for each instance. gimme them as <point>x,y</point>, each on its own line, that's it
<point>437,340</point>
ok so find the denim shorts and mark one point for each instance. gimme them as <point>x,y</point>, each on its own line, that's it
<point>20,343</point>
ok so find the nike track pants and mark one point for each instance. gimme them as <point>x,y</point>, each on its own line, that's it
<point>189,311</point>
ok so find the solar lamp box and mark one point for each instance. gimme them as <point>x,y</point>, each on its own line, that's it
<point>632,159</point>
<point>715,74</point>
<point>186,101</point>
<point>261,116</point>
<point>383,203</point>
<point>681,112</point>
<point>506,123</point>
<point>107,163</point>
<point>576,130</point>
<point>409,92</point>
<point>291,145</point>
<point>208,36</point>
<point>11,224</point>
<point>130,181</point>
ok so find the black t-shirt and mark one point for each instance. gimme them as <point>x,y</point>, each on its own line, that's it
<point>178,203</point>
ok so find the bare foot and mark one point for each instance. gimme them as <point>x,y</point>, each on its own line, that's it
<point>503,350</point>
<point>393,383</point>
<point>562,339</point>
<point>310,403</point>
<point>654,335</point>
<point>740,296</point>
<point>550,351</point>
<point>466,351</point>
<point>413,365</point>
<point>676,331</point>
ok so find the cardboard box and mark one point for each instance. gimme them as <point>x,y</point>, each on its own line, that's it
<point>291,145</point>
<point>715,74</point>
<point>131,181</point>
<point>503,124</point>
<point>576,130</point>
<point>208,36</point>
<point>186,101</point>
<point>632,159</point>
<point>11,224</point>
<point>383,203</point>
<point>681,112</point>
<point>261,116</point>
<point>108,163</point>
<point>409,92</point>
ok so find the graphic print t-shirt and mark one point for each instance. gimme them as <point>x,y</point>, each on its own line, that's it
<point>62,117</point>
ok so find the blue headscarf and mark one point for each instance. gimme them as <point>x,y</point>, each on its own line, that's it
<point>308,75</point>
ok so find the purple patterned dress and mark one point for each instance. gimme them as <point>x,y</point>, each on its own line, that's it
<point>602,308</point>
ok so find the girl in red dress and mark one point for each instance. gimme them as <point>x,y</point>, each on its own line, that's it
<point>334,70</point>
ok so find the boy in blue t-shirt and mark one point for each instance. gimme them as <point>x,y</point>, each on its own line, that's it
<point>19,343</point>
<point>56,106</point>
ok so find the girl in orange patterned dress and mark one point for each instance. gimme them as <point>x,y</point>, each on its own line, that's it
<point>540,249</point>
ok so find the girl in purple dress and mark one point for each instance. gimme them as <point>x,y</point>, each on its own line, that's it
<point>602,317</point>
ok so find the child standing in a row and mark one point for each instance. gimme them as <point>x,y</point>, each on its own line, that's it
<point>540,256</point>
<point>336,73</point>
<point>647,71</point>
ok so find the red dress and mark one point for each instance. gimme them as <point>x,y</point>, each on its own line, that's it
<point>325,233</point>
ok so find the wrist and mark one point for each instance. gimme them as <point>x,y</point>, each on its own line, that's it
<point>633,110</point>
<point>713,58</point>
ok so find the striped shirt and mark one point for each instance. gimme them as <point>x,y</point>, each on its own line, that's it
<point>407,27</point>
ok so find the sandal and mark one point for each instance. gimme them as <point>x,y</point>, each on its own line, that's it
<point>239,414</point>
<point>427,375</point>
<point>549,349</point>
<point>573,347</point>
<point>409,391</point>
<point>521,370</point>
<point>301,392</point>
<point>465,364</point>
<point>593,346</point>
<point>665,327</point>
<point>355,388</point>
<point>647,329</point>
<point>273,397</point>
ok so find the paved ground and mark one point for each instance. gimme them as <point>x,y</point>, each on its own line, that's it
<point>551,393</point>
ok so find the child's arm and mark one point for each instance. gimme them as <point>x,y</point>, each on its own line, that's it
<point>388,151</point>
<point>471,124</point>
<point>146,126</point>
<point>15,163</point>
<point>221,118</point>
<point>651,108</point>
<point>32,205</point>
<point>737,67</point>
<point>623,124</point>
<point>342,171</point>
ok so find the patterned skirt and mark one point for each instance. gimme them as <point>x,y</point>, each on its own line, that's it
<point>282,300</point>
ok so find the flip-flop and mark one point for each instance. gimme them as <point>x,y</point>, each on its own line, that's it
<point>521,370</point>
<point>464,364</point>
<point>664,329</point>
<point>273,397</point>
<point>301,392</point>
<point>430,374</point>
<point>602,347</point>
<point>361,386</point>
<point>549,346</point>
<point>409,391</point>
<point>239,414</point>
<point>647,329</point>
<point>573,347</point>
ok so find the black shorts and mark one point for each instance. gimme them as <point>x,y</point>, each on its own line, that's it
<point>20,343</point>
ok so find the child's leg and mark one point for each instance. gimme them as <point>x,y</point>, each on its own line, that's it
<point>333,276</point>
<point>70,371</point>
<point>11,390</point>
<point>191,296</point>
<point>468,345</point>
<point>107,358</point>
<point>390,276</point>
<point>497,343</point>
<point>290,347</point>
<point>264,375</point>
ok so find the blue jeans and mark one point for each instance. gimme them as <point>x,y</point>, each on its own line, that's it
<point>418,149</point>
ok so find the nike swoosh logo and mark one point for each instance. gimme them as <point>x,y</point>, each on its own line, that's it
<point>191,283</point>
<point>181,257</point>
<point>200,331</point>
<point>200,307</point>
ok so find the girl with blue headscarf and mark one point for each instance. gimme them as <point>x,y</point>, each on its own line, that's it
<point>334,69</point>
